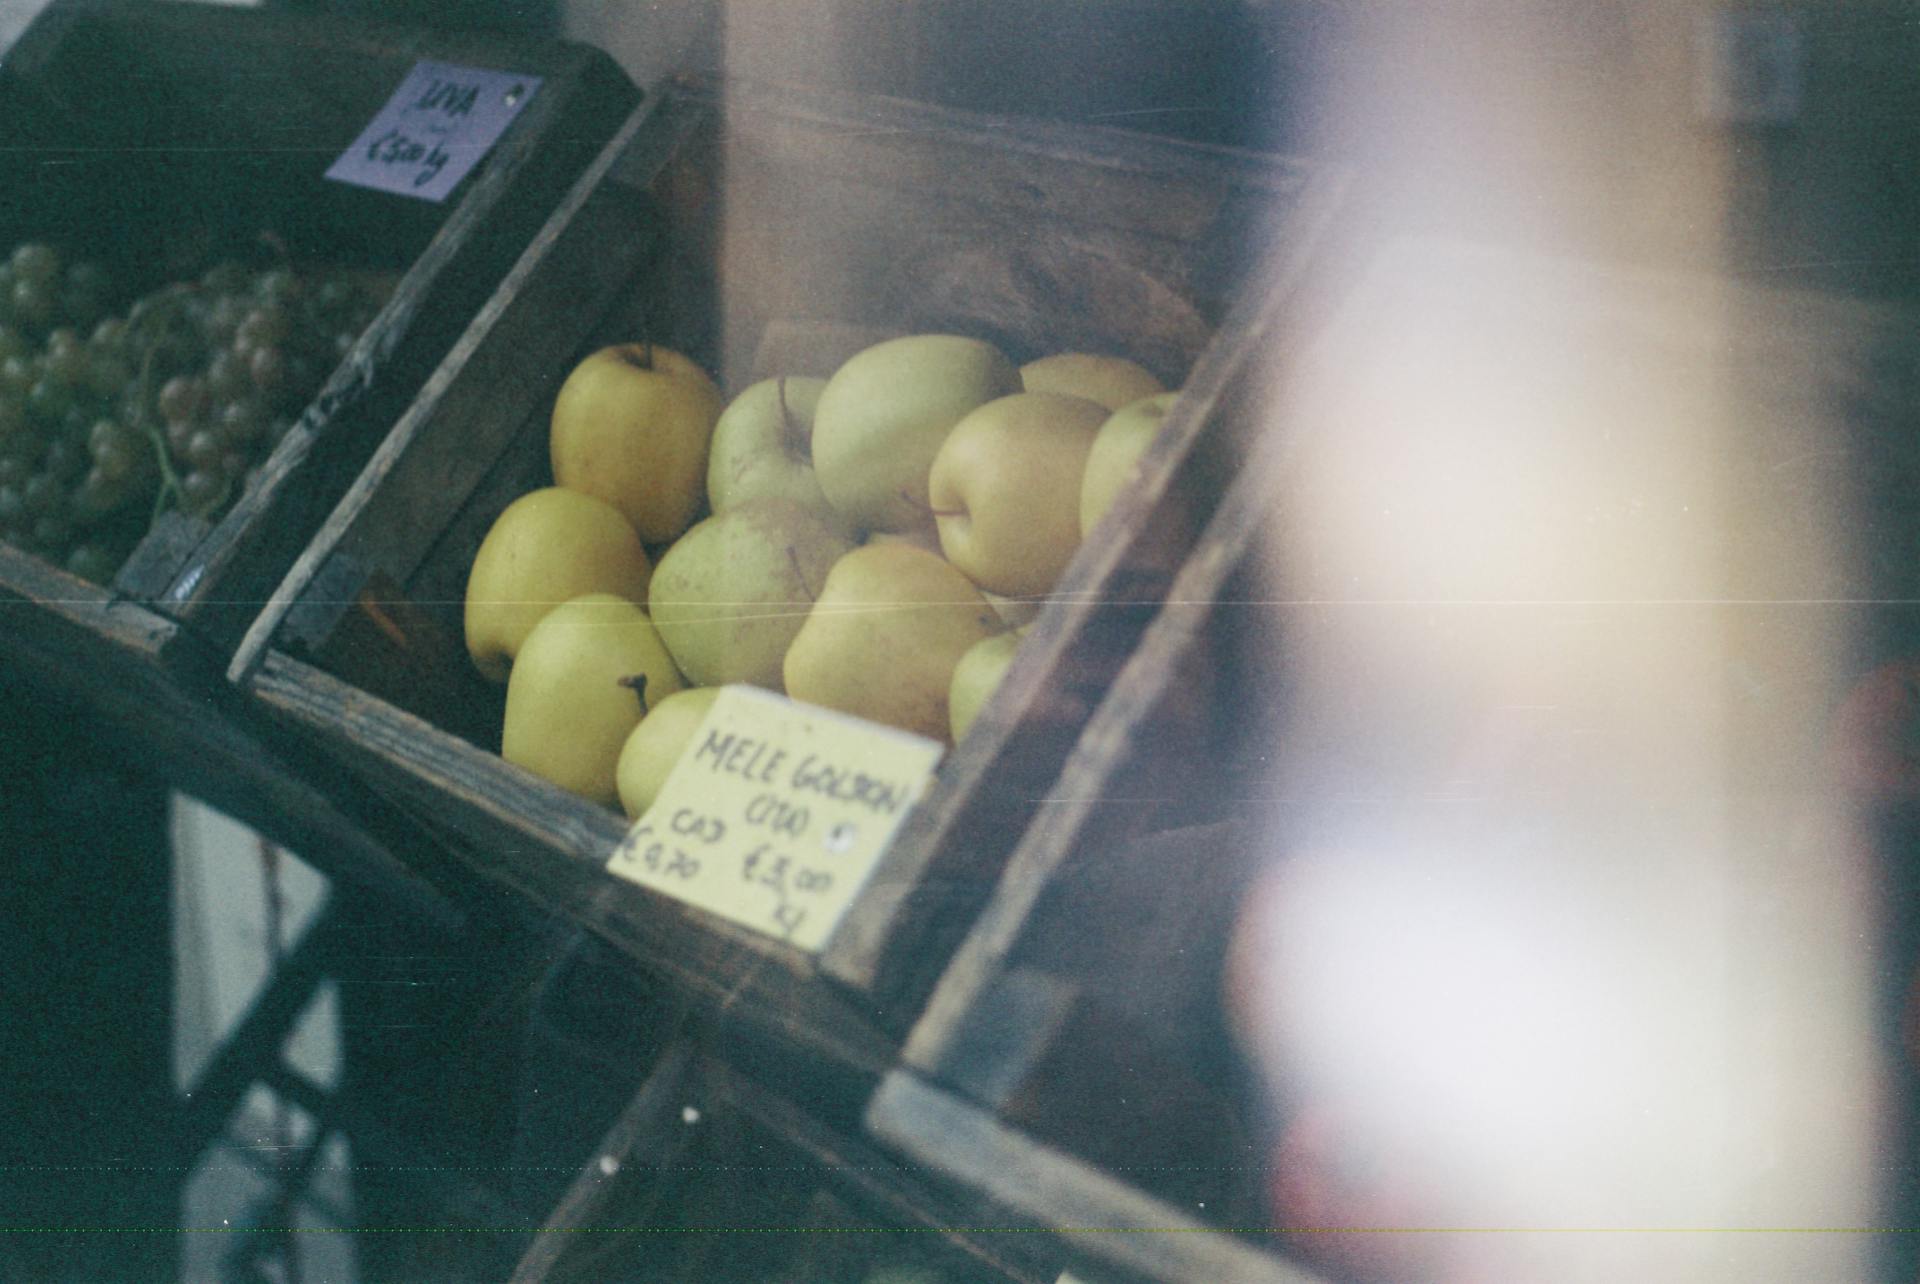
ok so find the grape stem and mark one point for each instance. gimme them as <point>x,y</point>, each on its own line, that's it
<point>169,480</point>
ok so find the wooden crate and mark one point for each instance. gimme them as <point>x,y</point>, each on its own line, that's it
<point>707,1175</point>
<point>158,137</point>
<point>723,217</point>
<point>1771,425</point>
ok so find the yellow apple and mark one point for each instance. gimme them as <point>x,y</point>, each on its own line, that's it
<point>927,537</point>
<point>546,547</point>
<point>1112,381</point>
<point>731,593</point>
<point>632,425</point>
<point>649,755</point>
<point>881,418</point>
<point>1006,487</point>
<point>763,447</point>
<point>882,641</point>
<point>976,677</point>
<point>584,677</point>
<point>1112,463</point>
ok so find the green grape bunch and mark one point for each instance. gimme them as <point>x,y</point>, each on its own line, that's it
<point>109,418</point>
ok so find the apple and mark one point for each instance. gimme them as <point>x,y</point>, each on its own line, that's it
<point>1112,381</point>
<point>731,593</point>
<point>882,641</point>
<point>883,416</point>
<point>976,677</point>
<point>763,446</point>
<point>651,751</point>
<point>927,537</point>
<point>545,547</point>
<point>632,425</point>
<point>1005,489</point>
<point>1112,463</point>
<point>585,676</point>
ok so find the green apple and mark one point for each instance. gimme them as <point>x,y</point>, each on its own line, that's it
<point>1112,463</point>
<point>649,755</point>
<point>882,417</point>
<point>584,677</point>
<point>545,547</point>
<point>1112,381</point>
<point>1005,489</point>
<point>632,425</point>
<point>731,593</point>
<point>763,446</point>
<point>882,641</point>
<point>976,677</point>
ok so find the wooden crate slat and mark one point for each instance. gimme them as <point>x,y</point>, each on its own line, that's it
<point>1105,1218</point>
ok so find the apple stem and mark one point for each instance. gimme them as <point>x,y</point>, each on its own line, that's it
<point>636,683</point>
<point>793,559</point>
<point>929,509</point>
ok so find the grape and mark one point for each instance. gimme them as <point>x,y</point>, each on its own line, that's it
<point>49,400</point>
<point>220,367</point>
<point>279,286</point>
<point>228,375</point>
<point>182,399</point>
<point>204,449</point>
<point>35,262</point>
<point>43,495</point>
<point>269,370</point>
<point>224,318</point>
<point>33,303</point>
<point>240,421</point>
<point>98,495</point>
<point>107,373</point>
<point>200,490</point>
<point>66,360</point>
<point>93,562</point>
<point>110,335</point>
<point>65,459</point>
<point>51,533</point>
<point>264,326</point>
<point>16,376</point>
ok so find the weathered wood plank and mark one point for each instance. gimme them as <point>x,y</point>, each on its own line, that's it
<point>1100,1216</point>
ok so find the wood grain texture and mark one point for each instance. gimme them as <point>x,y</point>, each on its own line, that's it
<point>825,1204</point>
<point>1097,1214</point>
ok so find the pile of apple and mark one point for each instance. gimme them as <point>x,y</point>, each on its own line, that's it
<point>876,543</point>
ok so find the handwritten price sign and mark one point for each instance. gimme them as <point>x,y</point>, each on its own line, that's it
<point>777,813</point>
<point>437,126</point>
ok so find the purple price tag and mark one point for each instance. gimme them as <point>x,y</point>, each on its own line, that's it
<point>438,125</point>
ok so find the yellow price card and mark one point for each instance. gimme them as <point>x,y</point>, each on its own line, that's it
<point>777,813</point>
